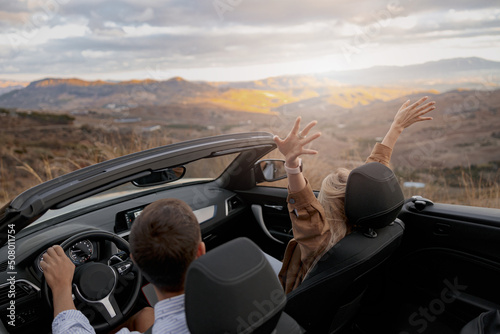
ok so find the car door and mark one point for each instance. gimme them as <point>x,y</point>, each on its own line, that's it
<point>268,210</point>
<point>446,271</point>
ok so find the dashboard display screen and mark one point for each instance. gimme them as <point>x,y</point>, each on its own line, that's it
<point>130,216</point>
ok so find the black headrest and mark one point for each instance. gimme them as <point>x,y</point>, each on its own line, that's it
<point>233,289</point>
<point>373,197</point>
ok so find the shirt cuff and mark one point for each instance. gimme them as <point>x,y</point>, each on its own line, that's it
<point>302,197</point>
<point>380,153</point>
<point>71,319</point>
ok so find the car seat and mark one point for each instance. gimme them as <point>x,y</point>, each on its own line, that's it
<point>233,289</point>
<point>330,295</point>
<point>485,323</point>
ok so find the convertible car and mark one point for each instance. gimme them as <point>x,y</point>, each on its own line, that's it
<point>441,271</point>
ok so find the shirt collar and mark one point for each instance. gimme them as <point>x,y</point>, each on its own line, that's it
<point>169,306</point>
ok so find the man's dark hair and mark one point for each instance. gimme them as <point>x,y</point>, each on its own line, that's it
<point>164,241</point>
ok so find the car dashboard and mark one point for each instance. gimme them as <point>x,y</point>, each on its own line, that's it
<point>212,206</point>
<point>79,253</point>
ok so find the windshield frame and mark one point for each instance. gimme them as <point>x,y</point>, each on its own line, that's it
<point>66,189</point>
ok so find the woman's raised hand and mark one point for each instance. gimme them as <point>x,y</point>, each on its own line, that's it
<point>409,114</point>
<point>293,145</point>
<point>406,116</point>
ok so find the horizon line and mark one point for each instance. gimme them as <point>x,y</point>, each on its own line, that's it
<point>63,77</point>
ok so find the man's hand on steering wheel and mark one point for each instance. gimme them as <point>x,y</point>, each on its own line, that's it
<point>59,270</point>
<point>93,284</point>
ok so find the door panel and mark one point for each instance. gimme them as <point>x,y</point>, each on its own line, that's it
<point>449,264</point>
<point>471,230</point>
<point>444,274</point>
<point>271,204</point>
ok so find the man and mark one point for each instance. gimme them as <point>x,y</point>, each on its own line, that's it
<point>164,240</point>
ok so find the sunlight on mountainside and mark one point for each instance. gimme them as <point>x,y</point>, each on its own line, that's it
<point>350,97</point>
<point>259,101</point>
<point>265,101</point>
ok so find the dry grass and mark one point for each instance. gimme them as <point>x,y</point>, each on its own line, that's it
<point>24,164</point>
<point>465,187</point>
<point>26,160</point>
<point>468,195</point>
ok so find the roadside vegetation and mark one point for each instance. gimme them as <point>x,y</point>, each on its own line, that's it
<point>36,147</point>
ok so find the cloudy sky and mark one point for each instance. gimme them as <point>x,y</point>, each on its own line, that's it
<point>220,40</point>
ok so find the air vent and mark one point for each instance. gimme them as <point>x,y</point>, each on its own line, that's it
<point>23,289</point>
<point>233,203</point>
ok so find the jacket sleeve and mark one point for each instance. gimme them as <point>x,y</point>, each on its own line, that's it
<point>311,237</point>
<point>380,153</point>
<point>310,228</point>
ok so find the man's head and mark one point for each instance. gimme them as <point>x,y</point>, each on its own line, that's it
<point>164,240</point>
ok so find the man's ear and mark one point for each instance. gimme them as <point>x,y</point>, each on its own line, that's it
<point>201,249</point>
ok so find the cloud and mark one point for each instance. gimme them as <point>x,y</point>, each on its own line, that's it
<point>93,36</point>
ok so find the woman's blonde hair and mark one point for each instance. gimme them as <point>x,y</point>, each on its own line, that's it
<point>332,198</point>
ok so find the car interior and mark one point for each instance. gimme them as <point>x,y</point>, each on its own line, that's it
<point>236,268</point>
<point>417,267</point>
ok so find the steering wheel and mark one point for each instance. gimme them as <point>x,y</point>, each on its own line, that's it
<point>95,283</point>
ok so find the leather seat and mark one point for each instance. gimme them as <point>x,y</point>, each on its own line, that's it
<point>485,323</point>
<point>233,289</point>
<point>331,294</point>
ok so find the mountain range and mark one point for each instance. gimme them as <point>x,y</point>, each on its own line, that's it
<point>442,75</point>
<point>340,89</point>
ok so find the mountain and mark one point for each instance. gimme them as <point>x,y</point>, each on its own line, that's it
<point>348,97</point>
<point>68,94</point>
<point>442,75</point>
<point>10,85</point>
<point>326,91</point>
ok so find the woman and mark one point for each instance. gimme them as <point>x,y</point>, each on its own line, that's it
<point>320,223</point>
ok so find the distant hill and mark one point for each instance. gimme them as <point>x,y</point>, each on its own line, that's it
<point>68,94</point>
<point>10,85</point>
<point>442,75</point>
<point>75,94</point>
<point>333,90</point>
<point>54,94</point>
<point>348,97</point>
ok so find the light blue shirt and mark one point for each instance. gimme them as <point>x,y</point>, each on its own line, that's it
<point>169,318</point>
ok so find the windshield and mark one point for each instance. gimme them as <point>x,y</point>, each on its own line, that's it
<point>203,170</point>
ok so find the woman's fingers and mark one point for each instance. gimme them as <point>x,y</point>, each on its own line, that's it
<point>404,105</point>
<point>426,108</point>
<point>295,137</point>
<point>410,114</point>
<point>296,126</point>
<point>308,128</point>
<point>309,152</point>
<point>416,104</point>
<point>421,110</point>
<point>309,139</point>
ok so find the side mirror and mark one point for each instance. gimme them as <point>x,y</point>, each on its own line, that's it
<point>161,176</point>
<point>269,170</point>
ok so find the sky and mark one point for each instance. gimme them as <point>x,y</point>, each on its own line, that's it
<point>236,40</point>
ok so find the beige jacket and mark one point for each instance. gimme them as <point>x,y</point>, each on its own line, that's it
<point>312,237</point>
